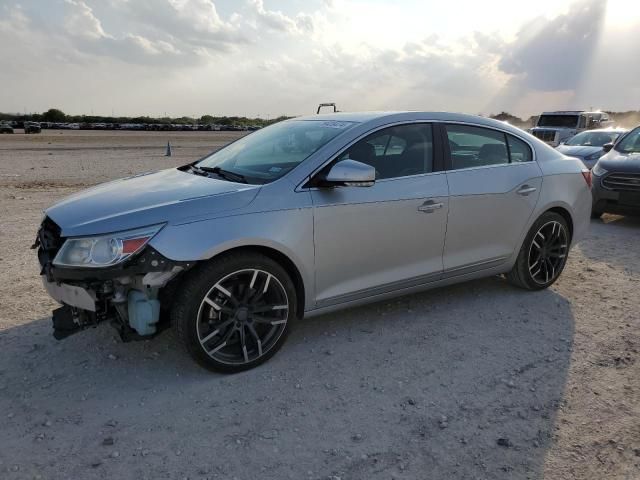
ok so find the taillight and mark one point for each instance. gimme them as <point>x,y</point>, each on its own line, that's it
<point>586,173</point>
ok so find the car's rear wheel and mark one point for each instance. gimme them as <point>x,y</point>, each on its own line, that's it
<point>543,254</point>
<point>595,214</point>
<point>235,312</point>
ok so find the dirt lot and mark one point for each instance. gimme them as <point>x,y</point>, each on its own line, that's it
<point>475,381</point>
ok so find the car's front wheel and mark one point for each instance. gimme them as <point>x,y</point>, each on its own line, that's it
<point>235,312</point>
<point>543,254</point>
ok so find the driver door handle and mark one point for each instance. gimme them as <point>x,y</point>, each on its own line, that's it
<point>526,190</point>
<point>429,206</point>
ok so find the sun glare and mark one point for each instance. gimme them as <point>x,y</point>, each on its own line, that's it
<point>622,13</point>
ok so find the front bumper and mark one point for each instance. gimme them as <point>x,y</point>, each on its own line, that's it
<point>71,295</point>
<point>606,200</point>
<point>129,294</point>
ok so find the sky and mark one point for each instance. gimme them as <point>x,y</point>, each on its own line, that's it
<point>282,57</point>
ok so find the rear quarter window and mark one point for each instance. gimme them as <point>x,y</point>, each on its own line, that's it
<point>519,151</point>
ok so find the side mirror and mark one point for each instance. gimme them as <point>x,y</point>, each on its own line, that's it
<point>607,147</point>
<point>350,173</point>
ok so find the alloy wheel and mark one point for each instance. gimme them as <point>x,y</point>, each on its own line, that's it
<point>548,252</point>
<point>242,316</point>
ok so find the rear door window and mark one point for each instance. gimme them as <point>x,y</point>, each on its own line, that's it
<point>472,146</point>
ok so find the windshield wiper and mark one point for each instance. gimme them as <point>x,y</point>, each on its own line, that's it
<point>198,171</point>
<point>226,174</point>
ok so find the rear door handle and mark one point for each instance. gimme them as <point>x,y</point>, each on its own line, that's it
<point>526,190</point>
<point>429,206</point>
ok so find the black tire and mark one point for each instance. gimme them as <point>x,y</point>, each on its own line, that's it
<point>195,316</point>
<point>595,214</point>
<point>552,261</point>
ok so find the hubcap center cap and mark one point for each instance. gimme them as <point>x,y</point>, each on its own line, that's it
<point>242,315</point>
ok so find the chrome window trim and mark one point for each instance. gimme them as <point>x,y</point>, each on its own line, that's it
<point>384,180</point>
<point>483,167</point>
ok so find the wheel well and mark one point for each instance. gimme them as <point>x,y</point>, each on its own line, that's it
<point>284,261</point>
<point>566,215</point>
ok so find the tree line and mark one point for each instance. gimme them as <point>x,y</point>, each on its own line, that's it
<point>55,115</point>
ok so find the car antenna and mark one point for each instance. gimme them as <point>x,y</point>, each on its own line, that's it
<point>320,106</point>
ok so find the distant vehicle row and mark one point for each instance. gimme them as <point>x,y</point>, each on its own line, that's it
<point>29,127</point>
<point>34,127</point>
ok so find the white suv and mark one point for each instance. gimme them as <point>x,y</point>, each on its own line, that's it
<point>555,127</point>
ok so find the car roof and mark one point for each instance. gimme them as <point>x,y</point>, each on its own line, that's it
<point>359,117</point>
<point>563,112</point>
<point>382,118</point>
<point>572,112</point>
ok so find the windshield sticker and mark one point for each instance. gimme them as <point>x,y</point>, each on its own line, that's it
<point>335,124</point>
<point>275,169</point>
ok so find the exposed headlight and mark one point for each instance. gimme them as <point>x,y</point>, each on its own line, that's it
<point>104,250</point>
<point>594,156</point>
<point>598,171</point>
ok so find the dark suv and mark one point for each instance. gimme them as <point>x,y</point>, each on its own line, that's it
<point>616,177</point>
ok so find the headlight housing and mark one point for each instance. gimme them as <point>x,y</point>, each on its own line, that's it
<point>598,171</point>
<point>104,250</point>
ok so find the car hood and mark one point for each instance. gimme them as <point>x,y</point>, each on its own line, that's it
<point>578,150</point>
<point>150,198</point>
<point>615,161</point>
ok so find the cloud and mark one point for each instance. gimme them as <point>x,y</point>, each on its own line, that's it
<point>278,21</point>
<point>245,57</point>
<point>195,23</point>
<point>82,22</point>
<point>160,32</point>
<point>553,55</point>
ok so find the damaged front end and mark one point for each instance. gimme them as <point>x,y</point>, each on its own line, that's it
<point>130,290</point>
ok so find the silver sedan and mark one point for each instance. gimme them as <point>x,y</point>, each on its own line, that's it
<point>307,216</point>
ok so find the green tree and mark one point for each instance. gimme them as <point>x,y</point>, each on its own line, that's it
<point>54,115</point>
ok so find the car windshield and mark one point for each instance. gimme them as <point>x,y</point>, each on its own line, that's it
<point>566,121</point>
<point>630,143</point>
<point>593,139</point>
<point>269,153</point>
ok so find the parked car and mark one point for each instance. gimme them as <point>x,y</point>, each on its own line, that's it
<point>555,127</point>
<point>6,127</point>
<point>32,127</point>
<point>587,146</point>
<point>308,216</point>
<point>616,177</point>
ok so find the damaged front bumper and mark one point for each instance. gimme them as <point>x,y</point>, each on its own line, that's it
<point>129,295</point>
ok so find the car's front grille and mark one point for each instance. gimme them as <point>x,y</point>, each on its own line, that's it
<point>545,135</point>
<point>629,182</point>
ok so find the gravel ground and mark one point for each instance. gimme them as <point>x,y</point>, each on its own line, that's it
<point>474,381</point>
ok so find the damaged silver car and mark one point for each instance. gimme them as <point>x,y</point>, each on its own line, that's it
<point>308,216</point>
